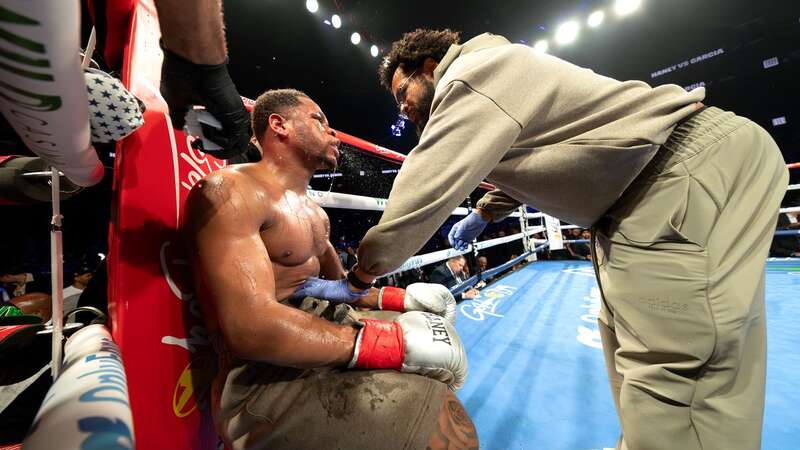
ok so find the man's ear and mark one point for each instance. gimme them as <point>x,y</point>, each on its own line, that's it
<point>429,66</point>
<point>277,124</point>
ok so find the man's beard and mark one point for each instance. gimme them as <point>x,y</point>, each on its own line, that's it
<point>423,109</point>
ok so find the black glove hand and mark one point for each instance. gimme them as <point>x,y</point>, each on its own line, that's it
<point>184,84</point>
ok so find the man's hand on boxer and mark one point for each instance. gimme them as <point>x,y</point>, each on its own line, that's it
<point>466,230</point>
<point>335,291</point>
<point>416,342</point>
<point>184,84</point>
<point>428,297</point>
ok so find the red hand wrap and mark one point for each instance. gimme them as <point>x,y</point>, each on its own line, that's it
<point>381,345</point>
<point>392,299</point>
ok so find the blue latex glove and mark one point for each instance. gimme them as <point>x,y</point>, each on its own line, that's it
<point>335,291</point>
<point>466,230</point>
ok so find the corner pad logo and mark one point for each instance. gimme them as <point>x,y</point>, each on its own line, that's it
<point>193,383</point>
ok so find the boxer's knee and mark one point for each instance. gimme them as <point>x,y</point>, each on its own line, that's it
<point>454,428</point>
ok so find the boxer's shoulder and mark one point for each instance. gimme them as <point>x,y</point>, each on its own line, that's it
<point>230,190</point>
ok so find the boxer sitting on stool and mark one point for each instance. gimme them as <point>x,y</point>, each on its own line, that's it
<point>267,278</point>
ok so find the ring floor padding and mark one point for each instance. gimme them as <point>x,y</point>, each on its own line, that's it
<point>537,379</point>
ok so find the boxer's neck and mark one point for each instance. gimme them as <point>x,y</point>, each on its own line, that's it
<point>287,167</point>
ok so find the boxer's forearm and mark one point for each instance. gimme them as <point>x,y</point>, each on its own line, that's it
<point>288,337</point>
<point>193,30</point>
<point>369,301</point>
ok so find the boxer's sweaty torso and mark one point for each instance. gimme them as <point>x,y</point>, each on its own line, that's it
<point>293,228</point>
<point>295,237</point>
<point>259,405</point>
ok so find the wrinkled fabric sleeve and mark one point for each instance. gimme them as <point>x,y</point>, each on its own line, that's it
<point>467,136</point>
<point>498,204</point>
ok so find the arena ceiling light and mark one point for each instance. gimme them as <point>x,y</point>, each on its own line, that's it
<point>355,38</point>
<point>312,6</point>
<point>373,50</point>
<point>540,46</point>
<point>336,21</point>
<point>595,19</point>
<point>625,7</point>
<point>567,32</point>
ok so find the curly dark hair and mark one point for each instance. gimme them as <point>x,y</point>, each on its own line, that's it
<point>413,49</point>
<point>273,101</point>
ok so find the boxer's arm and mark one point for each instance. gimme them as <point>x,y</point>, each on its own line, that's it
<point>193,30</point>
<point>234,276</point>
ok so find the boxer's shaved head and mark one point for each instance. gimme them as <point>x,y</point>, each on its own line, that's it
<point>276,101</point>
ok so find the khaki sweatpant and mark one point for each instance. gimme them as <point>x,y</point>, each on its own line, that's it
<point>680,261</point>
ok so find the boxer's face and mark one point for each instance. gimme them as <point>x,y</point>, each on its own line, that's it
<point>314,135</point>
<point>413,91</point>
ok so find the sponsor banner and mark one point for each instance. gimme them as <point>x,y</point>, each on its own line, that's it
<point>42,88</point>
<point>87,407</point>
<point>688,62</point>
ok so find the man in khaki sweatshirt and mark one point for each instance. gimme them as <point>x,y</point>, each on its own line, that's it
<point>682,200</point>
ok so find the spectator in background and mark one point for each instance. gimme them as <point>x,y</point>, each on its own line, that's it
<point>794,219</point>
<point>542,254</point>
<point>785,246</point>
<point>562,254</point>
<point>571,234</point>
<point>342,254</point>
<point>451,273</point>
<point>80,279</point>
<point>483,263</point>
<point>15,283</point>
<point>580,250</point>
<point>352,259</point>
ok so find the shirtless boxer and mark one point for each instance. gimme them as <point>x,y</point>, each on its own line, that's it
<point>258,246</point>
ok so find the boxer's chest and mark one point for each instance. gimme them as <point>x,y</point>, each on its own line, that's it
<point>299,232</point>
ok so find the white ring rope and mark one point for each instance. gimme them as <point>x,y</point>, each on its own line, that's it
<point>360,202</point>
<point>440,255</point>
